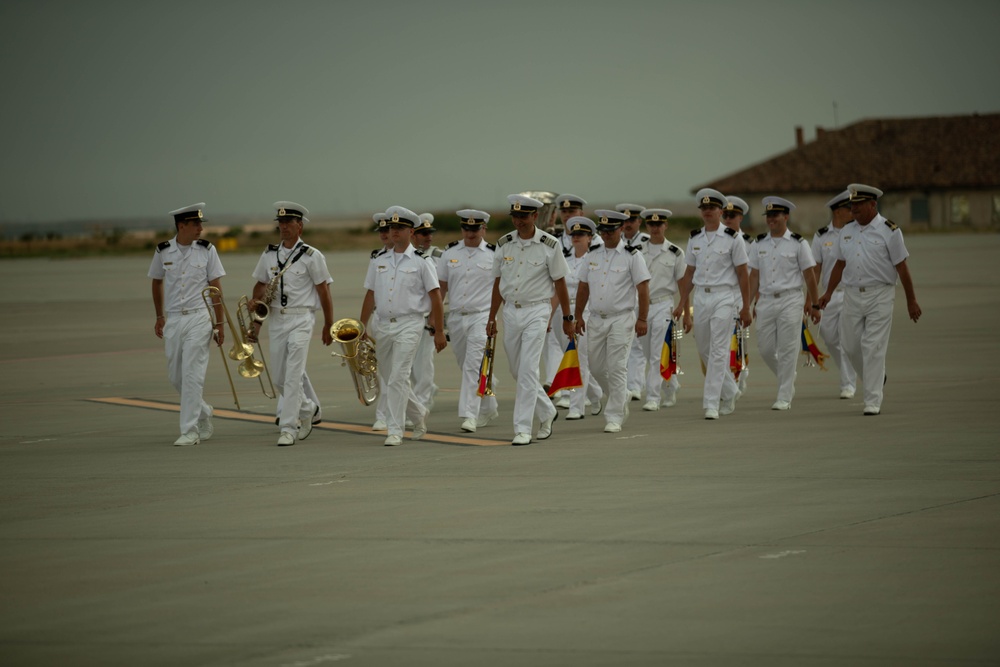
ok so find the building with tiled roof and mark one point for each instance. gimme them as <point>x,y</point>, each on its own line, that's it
<point>936,172</point>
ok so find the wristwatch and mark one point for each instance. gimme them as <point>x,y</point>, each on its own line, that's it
<point>567,318</point>
<point>815,306</point>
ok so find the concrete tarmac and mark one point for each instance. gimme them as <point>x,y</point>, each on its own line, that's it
<point>810,537</point>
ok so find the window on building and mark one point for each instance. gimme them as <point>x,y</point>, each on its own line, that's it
<point>920,210</point>
<point>959,209</point>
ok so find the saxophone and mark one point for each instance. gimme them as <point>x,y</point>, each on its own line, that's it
<point>261,309</point>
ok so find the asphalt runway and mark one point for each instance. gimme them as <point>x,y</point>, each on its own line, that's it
<point>811,537</point>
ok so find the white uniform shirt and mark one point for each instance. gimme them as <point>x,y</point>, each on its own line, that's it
<point>527,268</point>
<point>666,266</point>
<point>298,283</point>
<point>573,264</point>
<point>714,256</point>
<point>185,272</point>
<point>639,238</point>
<point>823,248</point>
<point>401,282</point>
<point>469,274</point>
<point>612,275</point>
<point>871,253</point>
<point>780,262</point>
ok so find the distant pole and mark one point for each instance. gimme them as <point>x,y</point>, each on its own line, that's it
<point>835,125</point>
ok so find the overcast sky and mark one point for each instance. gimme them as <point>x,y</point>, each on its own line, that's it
<point>131,109</point>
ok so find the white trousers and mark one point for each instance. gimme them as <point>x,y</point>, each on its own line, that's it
<point>310,400</point>
<point>591,389</point>
<point>865,324</point>
<point>187,341</point>
<point>829,328</point>
<point>290,335</point>
<point>609,340</point>
<point>714,319</point>
<point>468,340</point>
<point>658,320</point>
<point>523,340</point>
<point>741,383</point>
<point>395,347</point>
<point>779,337</point>
<point>637,367</point>
<point>422,373</point>
<point>555,345</point>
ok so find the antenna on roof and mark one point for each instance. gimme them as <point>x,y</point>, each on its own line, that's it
<point>835,114</point>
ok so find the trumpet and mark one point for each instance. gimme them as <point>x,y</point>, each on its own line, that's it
<point>359,356</point>
<point>742,335</point>
<point>486,368</point>
<point>675,349</point>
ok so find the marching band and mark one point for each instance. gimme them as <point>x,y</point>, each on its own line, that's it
<point>613,305</point>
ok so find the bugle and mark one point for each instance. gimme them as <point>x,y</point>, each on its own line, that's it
<point>675,348</point>
<point>486,368</point>
<point>359,356</point>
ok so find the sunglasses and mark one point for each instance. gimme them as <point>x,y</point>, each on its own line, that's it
<point>730,214</point>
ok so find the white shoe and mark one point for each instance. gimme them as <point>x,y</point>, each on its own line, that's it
<point>596,408</point>
<point>669,401</point>
<point>573,415</point>
<point>871,410</point>
<point>728,407</point>
<point>419,430</point>
<point>651,406</point>
<point>305,428</point>
<point>187,440</point>
<point>711,414</point>
<point>286,439</point>
<point>379,425</point>
<point>485,421</point>
<point>408,423</point>
<point>636,395</point>
<point>545,428</point>
<point>469,425</point>
<point>521,439</point>
<point>205,428</point>
<point>847,393</point>
<point>393,440</point>
<point>612,427</point>
<point>563,402</point>
<point>781,405</point>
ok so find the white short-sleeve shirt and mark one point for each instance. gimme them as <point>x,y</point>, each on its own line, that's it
<point>469,274</point>
<point>306,268</point>
<point>870,253</point>
<point>185,272</point>
<point>715,256</point>
<point>402,282</point>
<point>612,275</point>
<point>780,262</point>
<point>527,268</point>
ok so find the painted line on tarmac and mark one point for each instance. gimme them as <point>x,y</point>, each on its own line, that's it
<point>269,419</point>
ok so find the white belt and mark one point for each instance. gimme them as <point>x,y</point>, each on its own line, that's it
<point>605,316</point>
<point>661,299</point>
<point>868,287</point>
<point>715,288</point>
<point>408,316</point>
<point>299,310</point>
<point>530,303</point>
<point>469,312</point>
<point>188,311</point>
<point>777,295</point>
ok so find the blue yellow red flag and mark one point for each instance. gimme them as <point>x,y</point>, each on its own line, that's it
<point>568,376</point>
<point>668,365</point>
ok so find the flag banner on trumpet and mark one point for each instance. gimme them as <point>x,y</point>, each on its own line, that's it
<point>668,362</point>
<point>484,373</point>
<point>735,363</point>
<point>568,376</point>
<point>809,348</point>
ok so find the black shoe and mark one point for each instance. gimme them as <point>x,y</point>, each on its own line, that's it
<point>316,419</point>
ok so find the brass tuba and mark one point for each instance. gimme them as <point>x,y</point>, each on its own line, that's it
<point>359,355</point>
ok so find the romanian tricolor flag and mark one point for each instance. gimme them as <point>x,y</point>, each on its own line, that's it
<point>735,363</point>
<point>668,365</point>
<point>810,348</point>
<point>568,376</point>
<point>485,367</point>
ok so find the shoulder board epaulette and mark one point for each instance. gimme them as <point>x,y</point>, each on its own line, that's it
<point>454,243</point>
<point>162,246</point>
<point>632,249</point>
<point>376,251</point>
<point>761,237</point>
<point>203,243</point>
<point>674,249</point>
<point>730,231</point>
<point>595,246</point>
<point>379,253</point>
<point>567,252</point>
<point>550,240</point>
<point>695,232</point>
<point>823,230</point>
<point>272,247</point>
<point>747,237</point>
<point>506,238</point>
<point>644,237</point>
<point>891,225</point>
<point>419,253</point>
<point>796,236</point>
<point>308,249</point>
<point>491,246</point>
<point>557,233</point>
<point>436,252</point>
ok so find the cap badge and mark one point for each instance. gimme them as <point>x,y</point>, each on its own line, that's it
<point>395,217</point>
<point>706,200</point>
<point>604,220</point>
<point>281,211</point>
<point>517,206</point>
<point>770,207</point>
<point>656,217</point>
